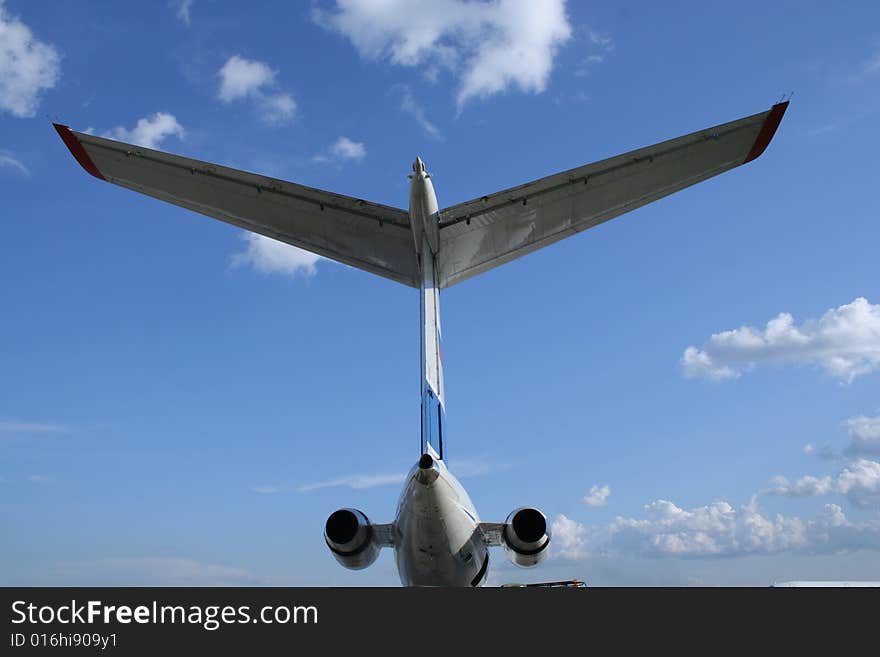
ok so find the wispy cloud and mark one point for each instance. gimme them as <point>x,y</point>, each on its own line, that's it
<point>824,453</point>
<point>489,47</point>
<point>150,131</point>
<point>869,67</point>
<point>601,45</point>
<point>28,67</point>
<point>356,481</point>
<point>269,256</point>
<point>462,469</point>
<point>250,79</point>
<point>8,160</point>
<point>183,11</point>
<point>40,479</point>
<point>409,105</point>
<point>845,342</point>
<point>15,426</point>
<point>267,489</point>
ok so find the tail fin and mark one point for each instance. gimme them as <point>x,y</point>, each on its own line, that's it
<point>433,402</point>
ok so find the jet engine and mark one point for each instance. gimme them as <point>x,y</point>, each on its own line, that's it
<point>526,536</point>
<point>349,535</point>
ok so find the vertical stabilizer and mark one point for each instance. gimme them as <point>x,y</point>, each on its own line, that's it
<point>424,219</point>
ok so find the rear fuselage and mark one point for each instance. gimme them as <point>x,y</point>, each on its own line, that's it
<point>438,542</point>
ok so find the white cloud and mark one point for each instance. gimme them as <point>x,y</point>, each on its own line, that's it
<point>464,469</point>
<point>461,468</point>
<point>240,78</point>
<point>27,66</point>
<point>276,108</point>
<point>804,487</point>
<point>845,342</point>
<point>346,149</point>
<point>269,256</point>
<point>409,105</point>
<point>266,490</point>
<point>721,530</point>
<point>715,530</point>
<point>183,11</point>
<point>598,496</point>
<point>859,481</point>
<point>569,538</point>
<point>603,44</point>
<point>249,79</point>
<point>13,426</point>
<point>357,481</point>
<point>8,160</point>
<point>490,47</point>
<point>864,435</point>
<point>40,479</point>
<point>149,131</point>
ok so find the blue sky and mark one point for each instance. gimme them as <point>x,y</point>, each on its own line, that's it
<point>690,391</point>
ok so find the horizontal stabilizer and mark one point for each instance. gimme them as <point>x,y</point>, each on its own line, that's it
<point>488,231</point>
<point>365,235</point>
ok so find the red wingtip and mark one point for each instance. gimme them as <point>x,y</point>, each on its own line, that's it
<point>77,150</point>
<point>771,123</point>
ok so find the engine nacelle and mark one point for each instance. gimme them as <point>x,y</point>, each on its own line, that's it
<point>526,536</point>
<point>349,535</point>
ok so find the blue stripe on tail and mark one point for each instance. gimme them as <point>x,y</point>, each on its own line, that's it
<point>433,421</point>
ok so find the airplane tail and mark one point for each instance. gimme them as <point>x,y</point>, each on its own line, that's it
<point>432,388</point>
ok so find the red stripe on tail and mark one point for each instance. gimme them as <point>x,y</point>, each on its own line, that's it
<point>77,150</point>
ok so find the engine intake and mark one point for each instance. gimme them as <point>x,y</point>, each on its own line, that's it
<point>526,536</point>
<point>349,535</point>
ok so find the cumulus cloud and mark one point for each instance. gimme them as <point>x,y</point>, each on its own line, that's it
<point>490,47</point>
<point>845,342</point>
<point>9,161</point>
<point>598,496</point>
<point>240,78</point>
<point>859,481</point>
<point>722,530</point>
<point>804,487</point>
<point>346,149</point>
<point>269,256</point>
<point>246,79</point>
<point>569,538</point>
<point>27,66</point>
<point>149,131</point>
<point>864,435</point>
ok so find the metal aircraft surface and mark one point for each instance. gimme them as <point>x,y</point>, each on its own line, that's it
<point>437,536</point>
